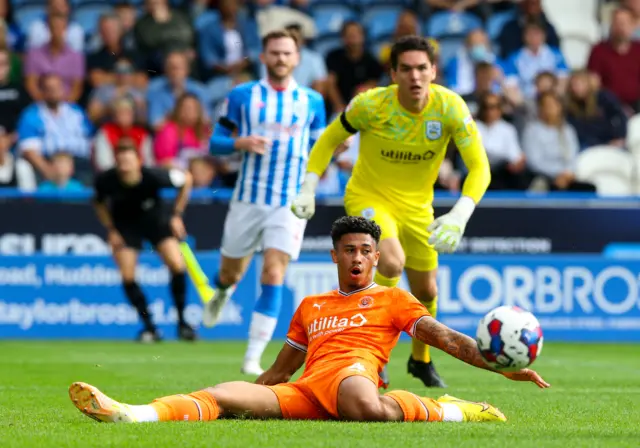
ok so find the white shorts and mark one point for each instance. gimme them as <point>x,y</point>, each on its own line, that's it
<point>252,227</point>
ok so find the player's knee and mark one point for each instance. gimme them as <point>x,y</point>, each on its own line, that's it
<point>364,409</point>
<point>272,274</point>
<point>391,266</point>
<point>431,291</point>
<point>222,396</point>
<point>229,276</point>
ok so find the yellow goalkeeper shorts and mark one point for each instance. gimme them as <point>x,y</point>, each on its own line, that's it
<point>409,228</point>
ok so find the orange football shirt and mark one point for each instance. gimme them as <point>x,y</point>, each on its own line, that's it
<point>337,328</point>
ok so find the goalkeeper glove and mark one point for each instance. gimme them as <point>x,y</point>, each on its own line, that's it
<point>304,205</point>
<point>447,230</point>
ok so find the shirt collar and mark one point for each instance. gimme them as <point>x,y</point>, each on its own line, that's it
<point>290,87</point>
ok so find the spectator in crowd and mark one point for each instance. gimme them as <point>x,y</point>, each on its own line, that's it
<point>13,98</point>
<point>123,85</point>
<point>101,63</point>
<point>407,24</point>
<point>160,31</point>
<point>15,172</point>
<point>616,61</point>
<point>551,146</point>
<point>545,81</point>
<point>39,33</point>
<point>56,57</point>
<point>163,91</point>
<point>486,77</point>
<point>184,135</point>
<point>15,37</point>
<point>127,14</point>
<point>62,175</point>
<point>511,38</point>
<point>500,138</point>
<point>121,125</point>
<point>596,114</point>
<point>522,67</point>
<point>54,125</point>
<point>634,7</point>
<point>459,72</point>
<point>15,61</point>
<point>352,68</point>
<point>230,44</point>
<point>203,171</point>
<point>311,70</point>
<point>477,7</point>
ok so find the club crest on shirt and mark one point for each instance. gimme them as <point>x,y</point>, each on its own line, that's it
<point>366,302</point>
<point>368,213</point>
<point>433,130</point>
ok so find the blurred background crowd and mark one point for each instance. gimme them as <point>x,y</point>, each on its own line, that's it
<point>546,80</point>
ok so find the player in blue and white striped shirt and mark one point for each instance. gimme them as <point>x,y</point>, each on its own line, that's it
<point>276,123</point>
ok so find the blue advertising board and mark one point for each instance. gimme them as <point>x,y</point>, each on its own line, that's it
<point>576,298</point>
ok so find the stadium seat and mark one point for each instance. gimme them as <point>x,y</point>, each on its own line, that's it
<point>364,5</point>
<point>24,16</point>
<point>380,21</point>
<point>329,18</point>
<point>88,16</point>
<point>20,3</point>
<point>497,21</point>
<point>609,168</point>
<point>447,49</point>
<point>576,51</point>
<point>633,134</point>
<point>451,24</point>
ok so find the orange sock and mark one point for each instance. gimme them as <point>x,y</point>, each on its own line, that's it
<point>416,408</point>
<point>199,405</point>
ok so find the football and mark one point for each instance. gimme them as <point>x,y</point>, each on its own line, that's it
<point>509,338</point>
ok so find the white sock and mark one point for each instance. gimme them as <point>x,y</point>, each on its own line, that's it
<point>260,333</point>
<point>144,413</point>
<point>451,413</point>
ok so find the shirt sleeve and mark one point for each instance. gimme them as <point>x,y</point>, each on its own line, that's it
<point>231,112</point>
<point>356,116</point>
<point>469,142</point>
<point>407,311</point>
<point>319,122</point>
<point>296,336</point>
<point>99,189</point>
<point>30,131</point>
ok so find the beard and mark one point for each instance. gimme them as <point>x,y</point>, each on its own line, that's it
<point>277,74</point>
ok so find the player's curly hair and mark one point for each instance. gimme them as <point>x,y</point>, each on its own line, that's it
<point>354,224</point>
<point>412,43</point>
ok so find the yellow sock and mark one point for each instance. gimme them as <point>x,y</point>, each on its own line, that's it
<point>419,350</point>
<point>385,281</point>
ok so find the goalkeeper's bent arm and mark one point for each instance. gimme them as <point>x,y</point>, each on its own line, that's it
<point>477,181</point>
<point>325,146</point>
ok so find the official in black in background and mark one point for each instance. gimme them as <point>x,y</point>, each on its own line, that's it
<point>128,203</point>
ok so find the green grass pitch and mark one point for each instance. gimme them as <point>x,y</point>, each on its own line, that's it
<point>594,399</point>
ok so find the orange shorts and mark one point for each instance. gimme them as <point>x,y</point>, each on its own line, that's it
<point>315,396</point>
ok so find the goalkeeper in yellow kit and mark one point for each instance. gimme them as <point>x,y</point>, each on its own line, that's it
<point>404,133</point>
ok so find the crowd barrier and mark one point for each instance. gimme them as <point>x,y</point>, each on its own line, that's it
<point>504,223</point>
<point>576,298</point>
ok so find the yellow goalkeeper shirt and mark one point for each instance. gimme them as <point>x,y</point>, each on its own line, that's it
<point>401,152</point>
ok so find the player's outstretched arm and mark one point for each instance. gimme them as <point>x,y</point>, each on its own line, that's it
<point>458,345</point>
<point>287,363</point>
<point>304,204</point>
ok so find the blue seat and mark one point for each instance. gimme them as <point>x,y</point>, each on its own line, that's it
<point>24,16</point>
<point>380,21</point>
<point>88,16</point>
<point>366,4</point>
<point>324,46</point>
<point>497,21</point>
<point>452,24</point>
<point>447,49</point>
<point>329,18</point>
<point>20,3</point>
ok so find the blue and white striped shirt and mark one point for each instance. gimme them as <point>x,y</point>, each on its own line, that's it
<point>292,119</point>
<point>522,67</point>
<point>67,130</point>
